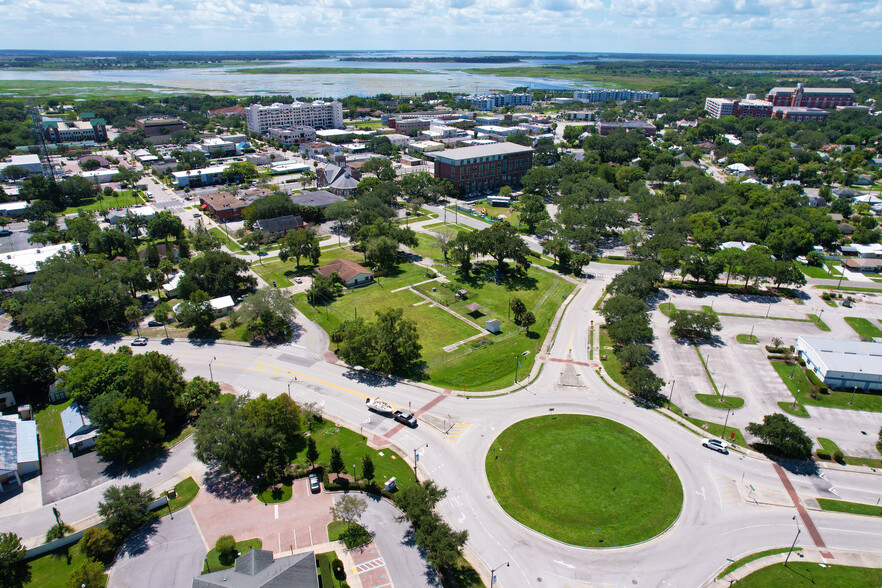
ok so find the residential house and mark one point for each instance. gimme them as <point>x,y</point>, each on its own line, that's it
<point>319,199</point>
<point>258,568</point>
<point>19,449</point>
<point>863,264</point>
<point>352,274</point>
<point>277,227</point>
<point>222,306</point>
<point>78,429</point>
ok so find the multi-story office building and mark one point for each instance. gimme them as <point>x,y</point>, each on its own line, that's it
<point>491,101</point>
<point>159,125</point>
<point>800,113</point>
<point>318,115</point>
<point>749,106</point>
<point>617,95</point>
<point>68,131</point>
<point>409,126</point>
<point>293,135</point>
<point>811,97</point>
<point>484,166</point>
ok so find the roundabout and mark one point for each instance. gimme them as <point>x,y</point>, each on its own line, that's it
<point>583,480</point>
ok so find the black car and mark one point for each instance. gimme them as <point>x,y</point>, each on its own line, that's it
<point>5,232</point>
<point>154,324</point>
<point>405,418</point>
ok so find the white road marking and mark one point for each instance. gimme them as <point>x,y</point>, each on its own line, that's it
<point>565,564</point>
<point>276,509</point>
<point>310,536</point>
<point>701,493</point>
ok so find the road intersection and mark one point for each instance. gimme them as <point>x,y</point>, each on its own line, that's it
<point>733,504</point>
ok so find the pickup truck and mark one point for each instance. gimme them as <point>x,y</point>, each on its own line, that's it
<point>405,418</point>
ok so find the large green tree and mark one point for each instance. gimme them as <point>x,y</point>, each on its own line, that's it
<point>129,430</point>
<point>217,273</point>
<point>27,368</point>
<point>390,344</point>
<point>124,509</point>
<point>300,243</point>
<point>501,241</point>
<point>784,436</point>
<point>267,313</point>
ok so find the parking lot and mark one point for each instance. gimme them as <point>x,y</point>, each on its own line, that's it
<point>65,475</point>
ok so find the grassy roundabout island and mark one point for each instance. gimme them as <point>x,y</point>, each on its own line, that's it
<point>584,480</point>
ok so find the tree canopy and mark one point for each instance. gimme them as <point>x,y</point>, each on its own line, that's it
<point>389,344</point>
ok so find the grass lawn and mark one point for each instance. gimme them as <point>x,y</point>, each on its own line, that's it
<point>353,447</point>
<point>850,507</point>
<point>185,432</point>
<point>185,492</point>
<point>324,563</point>
<point>716,430</point>
<point>714,401</point>
<point>799,574</point>
<point>282,272</point>
<point>849,288</point>
<point>747,339</point>
<point>369,125</point>
<point>818,322</point>
<point>820,273</point>
<point>582,485</point>
<point>337,532</point>
<point>226,240</point>
<point>863,327</point>
<point>52,569</point>
<point>796,409</point>
<point>212,560</point>
<point>754,556</point>
<point>52,437</point>
<point>278,494</point>
<point>800,387</point>
<point>611,365</point>
<point>123,198</point>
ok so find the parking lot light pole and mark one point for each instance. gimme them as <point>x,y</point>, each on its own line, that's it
<point>798,531</point>
<point>723,436</point>
<point>493,573</point>
<point>210,372</point>
<point>853,392</point>
<point>671,394</point>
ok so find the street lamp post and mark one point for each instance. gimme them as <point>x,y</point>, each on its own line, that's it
<point>853,392</point>
<point>493,573</point>
<point>798,531</point>
<point>294,379</point>
<point>210,372</point>
<point>416,460</point>
<point>671,394</point>
<point>723,393</point>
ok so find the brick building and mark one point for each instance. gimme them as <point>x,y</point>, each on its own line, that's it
<point>811,97</point>
<point>749,106</point>
<point>800,113</point>
<point>222,205</point>
<point>484,166</point>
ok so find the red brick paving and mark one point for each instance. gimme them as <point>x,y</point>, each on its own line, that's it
<point>370,566</point>
<point>803,513</point>
<point>304,518</point>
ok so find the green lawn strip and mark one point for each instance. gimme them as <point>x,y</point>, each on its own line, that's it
<point>747,339</point>
<point>800,387</point>
<point>794,409</point>
<point>773,318</point>
<point>212,560</point>
<point>226,240</point>
<point>849,288</point>
<point>830,302</point>
<point>326,571</point>
<point>49,427</point>
<point>599,302</point>
<point>183,434</point>
<point>819,273</point>
<point>282,272</point>
<point>356,538</point>
<point>612,507</point>
<point>870,462</point>
<point>716,430</point>
<point>615,261</point>
<point>611,365</point>
<point>51,570</point>
<point>667,308</point>
<point>806,574</point>
<point>275,495</point>
<point>461,575</point>
<point>754,556</point>
<point>237,333</point>
<point>863,327</point>
<point>706,371</point>
<point>818,322</point>
<point>714,401</point>
<point>185,492</point>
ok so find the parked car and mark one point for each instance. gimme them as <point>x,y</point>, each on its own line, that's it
<point>139,342</point>
<point>154,324</point>
<point>405,418</point>
<point>314,486</point>
<point>298,280</point>
<point>715,444</point>
<point>5,232</point>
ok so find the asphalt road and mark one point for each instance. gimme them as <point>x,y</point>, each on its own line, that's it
<point>716,521</point>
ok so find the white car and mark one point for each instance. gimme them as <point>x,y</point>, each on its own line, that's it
<point>298,280</point>
<point>716,445</point>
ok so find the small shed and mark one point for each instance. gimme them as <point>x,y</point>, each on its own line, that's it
<point>78,429</point>
<point>462,294</point>
<point>492,325</point>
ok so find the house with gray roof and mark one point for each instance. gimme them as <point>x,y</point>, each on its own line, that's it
<point>78,429</point>
<point>277,227</point>
<point>258,569</point>
<point>19,450</point>
<point>320,199</point>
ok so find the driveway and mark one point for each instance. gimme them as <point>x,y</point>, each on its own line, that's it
<point>169,553</point>
<point>226,506</point>
<point>65,475</point>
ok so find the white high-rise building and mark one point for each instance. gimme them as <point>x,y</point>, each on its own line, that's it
<point>318,115</point>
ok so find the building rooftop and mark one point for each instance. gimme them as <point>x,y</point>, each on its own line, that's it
<point>259,569</point>
<point>214,169</point>
<point>220,200</point>
<point>23,160</point>
<point>345,268</point>
<point>279,224</point>
<point>27,259</point>
<point>74,420</point>
<point>799,110</point>
<point>464,153</point>
<point>836,355</point>
<point>8,446</point>
<point>319,198</point>
<point>791,89</point>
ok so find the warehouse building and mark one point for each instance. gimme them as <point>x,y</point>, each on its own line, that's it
<point>843,365</point>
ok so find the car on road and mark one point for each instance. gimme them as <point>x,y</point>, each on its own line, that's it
<point>5,232</point>
<point>139,341</point>
<point>298,280</point>
<point>405,418</point>
<point>715,444</point>
<point>154,324</point>
<point>314,484</point>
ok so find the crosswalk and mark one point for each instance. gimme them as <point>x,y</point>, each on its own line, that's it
<point>728,489</point>
<point>370,565</point>
<point>456,432</point>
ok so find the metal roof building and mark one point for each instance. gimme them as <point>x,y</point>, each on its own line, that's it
<point>843,365</point>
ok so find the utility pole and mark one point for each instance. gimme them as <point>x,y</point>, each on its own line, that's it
<point>416,458</point>
<point>210,372</point>
<point>723,436</point>
<point>294,379</point>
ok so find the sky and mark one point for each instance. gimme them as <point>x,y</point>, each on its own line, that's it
<point>852,27</point>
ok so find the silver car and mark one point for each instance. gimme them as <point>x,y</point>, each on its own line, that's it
<point>716,445</point>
